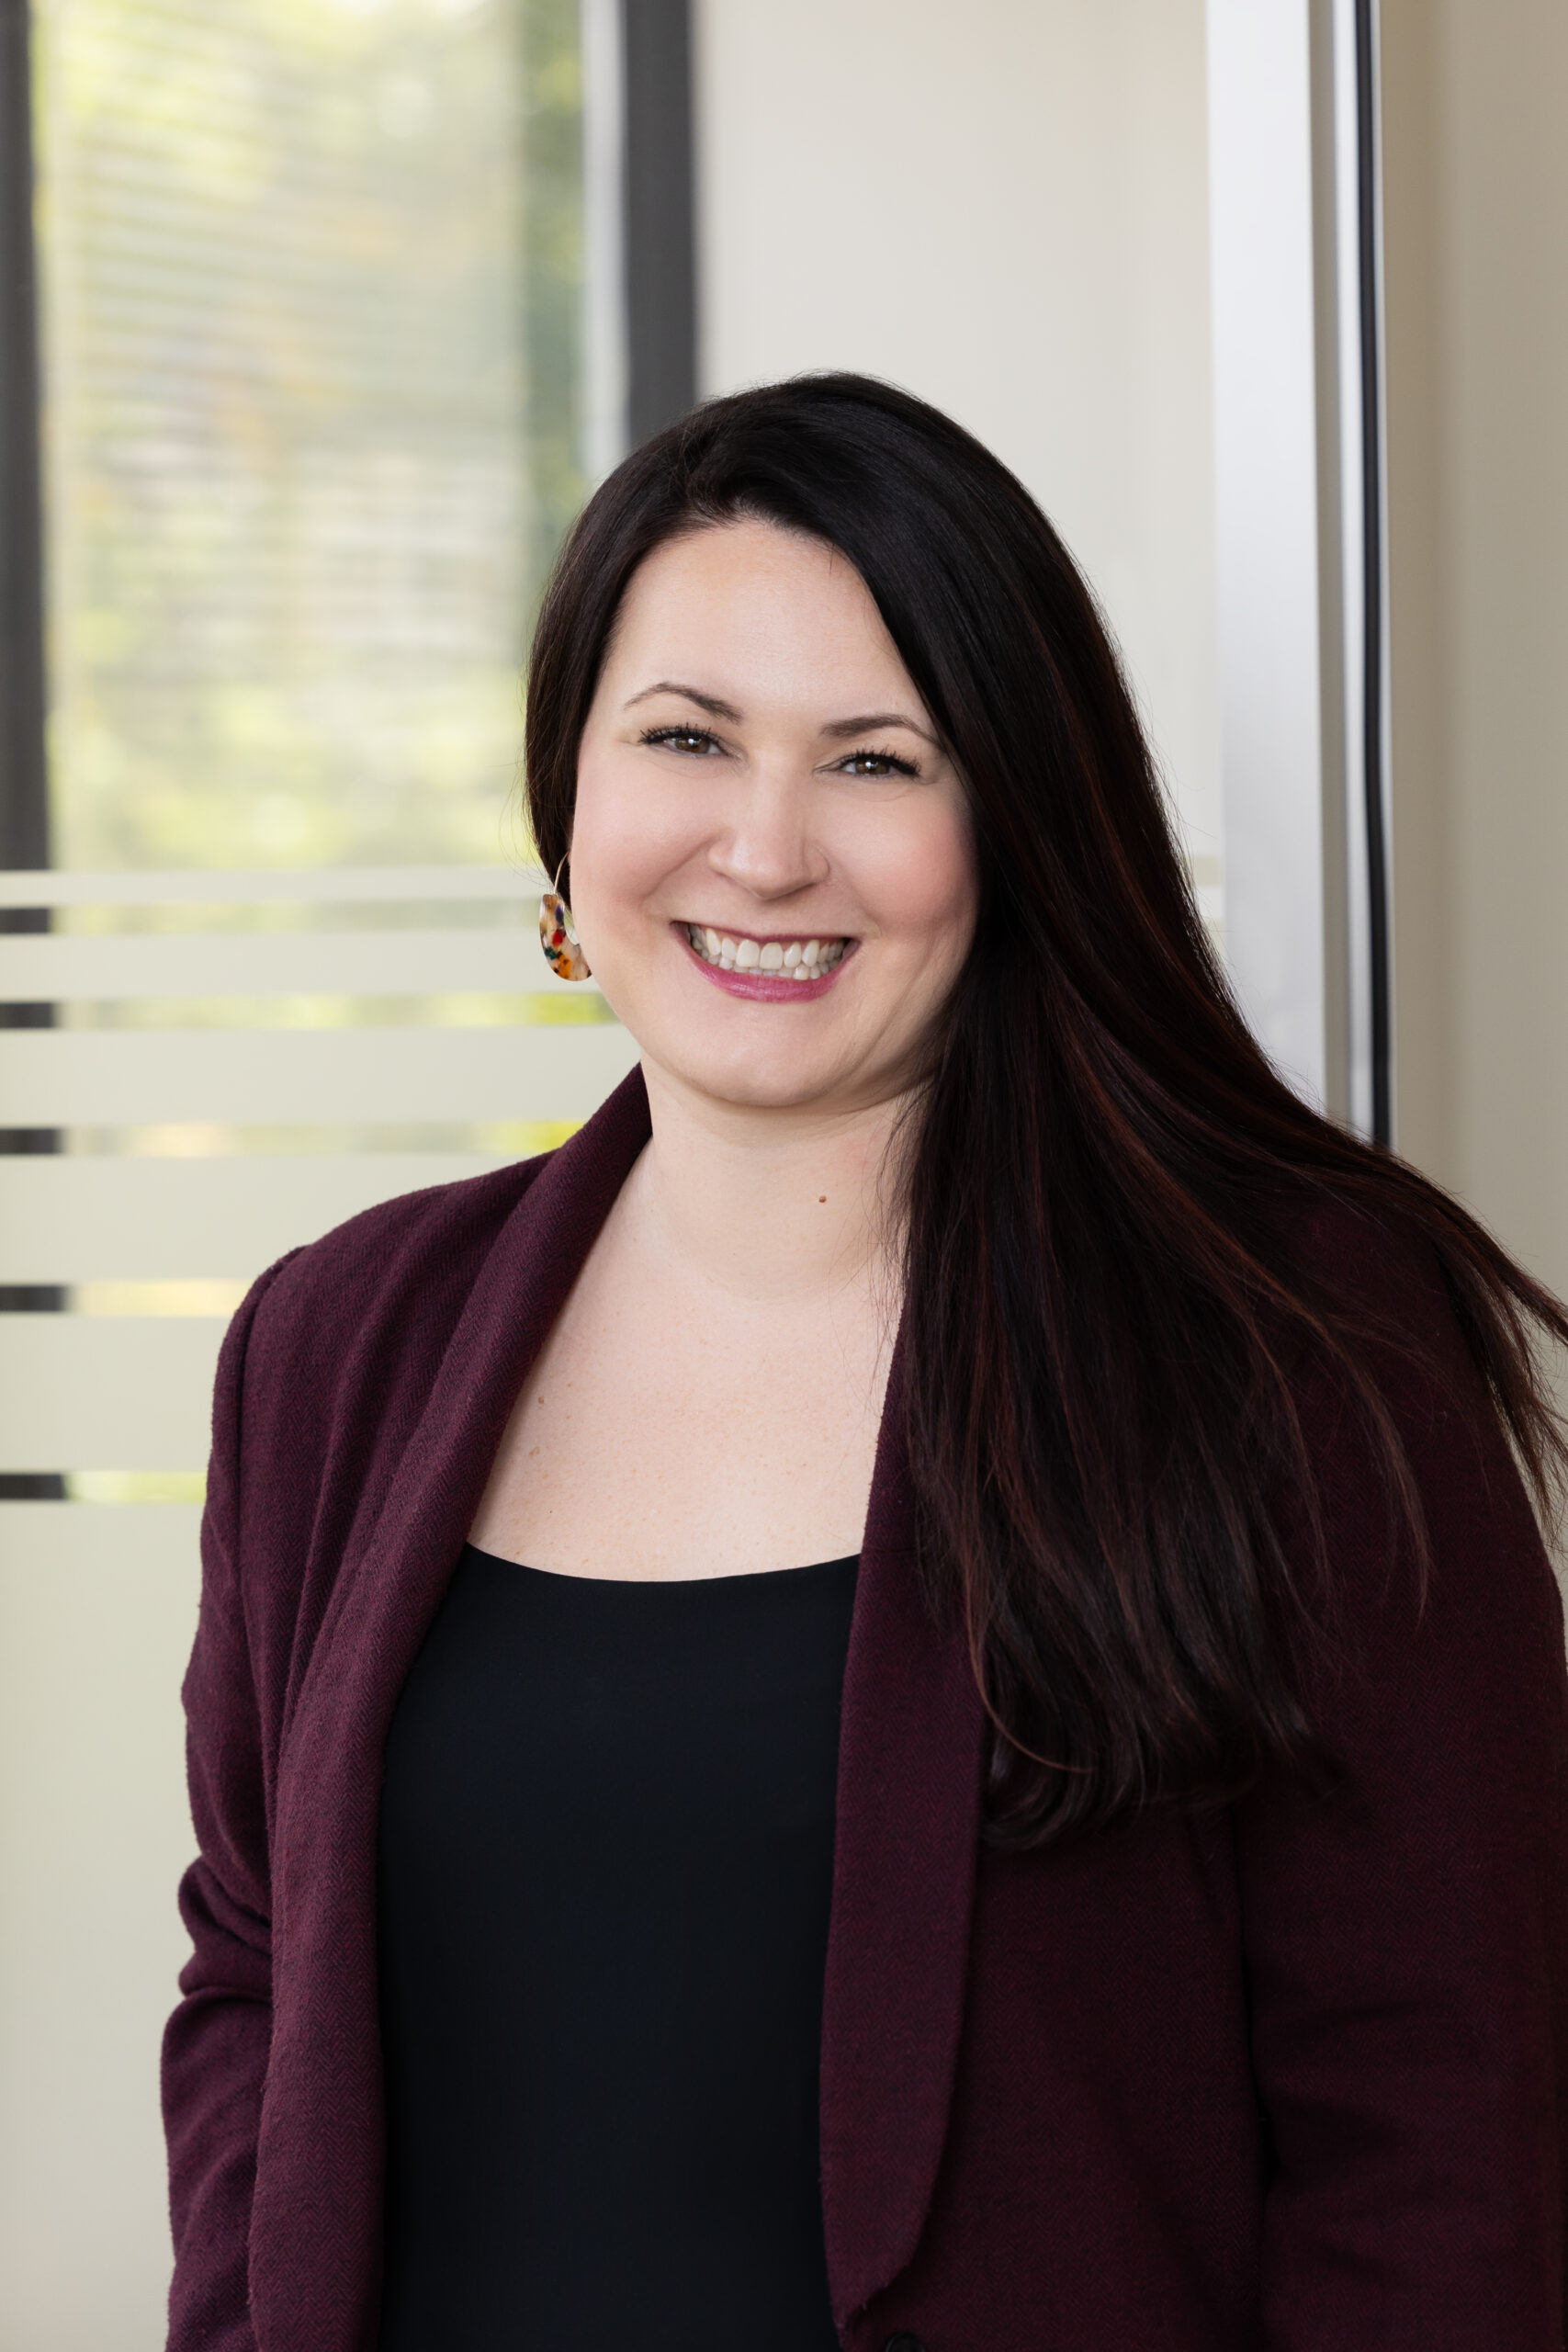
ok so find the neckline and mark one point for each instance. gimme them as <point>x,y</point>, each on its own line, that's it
<point>747,1577</point>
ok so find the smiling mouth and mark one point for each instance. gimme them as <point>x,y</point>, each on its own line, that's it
<point>782,959</point>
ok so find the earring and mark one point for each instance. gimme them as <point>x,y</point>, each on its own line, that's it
<point>557,937</point>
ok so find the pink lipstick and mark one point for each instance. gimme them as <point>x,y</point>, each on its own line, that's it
<point>818,964</point>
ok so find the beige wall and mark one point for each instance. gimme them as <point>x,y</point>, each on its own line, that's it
<point>1476,162</point>
<point>1003,205</point>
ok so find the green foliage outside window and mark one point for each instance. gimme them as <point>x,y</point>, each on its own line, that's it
<point>312,298</point>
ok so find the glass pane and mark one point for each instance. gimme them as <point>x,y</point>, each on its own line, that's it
<point>312,298</point>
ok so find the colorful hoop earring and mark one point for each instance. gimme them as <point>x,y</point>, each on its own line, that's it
<point>557,937</point>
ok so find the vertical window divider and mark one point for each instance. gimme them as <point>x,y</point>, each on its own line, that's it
<point>660,217</point>
<point>24,792</point>
<point>23,781</point>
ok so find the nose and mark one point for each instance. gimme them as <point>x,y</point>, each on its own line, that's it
<point>767,846</point>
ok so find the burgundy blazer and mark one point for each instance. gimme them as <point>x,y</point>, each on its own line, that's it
<point>1287,2075</point>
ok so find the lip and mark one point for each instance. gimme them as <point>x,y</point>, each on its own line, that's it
<point>764,988</point>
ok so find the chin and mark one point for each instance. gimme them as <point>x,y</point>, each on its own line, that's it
<point>755,1081</point>
<point>763,1089</point>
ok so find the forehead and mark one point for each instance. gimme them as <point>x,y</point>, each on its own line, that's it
<point>747,609</point>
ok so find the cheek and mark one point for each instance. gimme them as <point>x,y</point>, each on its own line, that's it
<point>624,838</point>
<point>918,880</point>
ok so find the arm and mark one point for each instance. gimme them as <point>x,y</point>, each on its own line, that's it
<point>217,2044</point>
<point>1406,1938</point>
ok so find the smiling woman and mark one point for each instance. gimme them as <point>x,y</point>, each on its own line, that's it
<point>811,840</point>
<point>909,1697</point>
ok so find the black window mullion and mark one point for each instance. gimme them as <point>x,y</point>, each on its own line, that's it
<point>24,776</point>
<point>1373,650</point>
<point>24,786</point>
<point>660,225</point>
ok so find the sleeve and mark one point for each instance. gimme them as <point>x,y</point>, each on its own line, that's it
<point>217,2043</point>
<point>1405,1937</point>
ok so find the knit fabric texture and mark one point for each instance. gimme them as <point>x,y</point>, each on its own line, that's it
<point>1290,2073</point>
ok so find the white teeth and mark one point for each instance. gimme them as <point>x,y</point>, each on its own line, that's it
<point>807,959</point>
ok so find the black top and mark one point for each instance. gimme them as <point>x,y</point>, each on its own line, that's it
<point>606,1850</point>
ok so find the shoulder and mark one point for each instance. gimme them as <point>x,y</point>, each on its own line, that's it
<point>347,1334</point>
<point>1381,1323</point>
<point>1374,1273</point>
<point>418,1240</point>
<point>1373,1255</point>
<point>1426,1517</point>
<point>402,1269</point>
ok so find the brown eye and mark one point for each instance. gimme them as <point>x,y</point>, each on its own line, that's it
<point>876,765</point>
<point>692,741</point>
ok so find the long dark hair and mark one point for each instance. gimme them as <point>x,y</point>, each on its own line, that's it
<point>1109,1304</point>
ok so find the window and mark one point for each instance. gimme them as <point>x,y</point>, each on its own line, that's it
<point>312,304</point>
<point>331,321</point>
<point>315,398</point>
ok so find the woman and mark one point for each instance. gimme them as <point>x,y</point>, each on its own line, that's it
<point>956,1527</point>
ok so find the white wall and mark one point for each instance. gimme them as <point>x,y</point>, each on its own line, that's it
<point>1475,100</point>
<point>1002,205</point>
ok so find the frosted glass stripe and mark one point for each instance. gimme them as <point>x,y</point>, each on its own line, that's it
<point>311,885</point>
<point>116,1394</point>
<point>98,1608</point>
<point>70,1220</point>
<point>67,1539</point>
<point>63,1078</point>
<point>56,968</point>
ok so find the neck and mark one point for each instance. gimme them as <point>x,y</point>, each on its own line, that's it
<point>766,1205</point>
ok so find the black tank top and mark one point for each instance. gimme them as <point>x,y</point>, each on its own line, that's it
<point>606,1846</point>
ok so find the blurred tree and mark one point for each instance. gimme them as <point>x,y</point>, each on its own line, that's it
<point>311,276</point>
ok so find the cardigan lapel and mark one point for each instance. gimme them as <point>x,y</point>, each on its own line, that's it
<point>316,2230</point>
<point>909,1819</point>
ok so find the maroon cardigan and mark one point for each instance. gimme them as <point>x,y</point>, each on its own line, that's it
<point>1289,2075</point>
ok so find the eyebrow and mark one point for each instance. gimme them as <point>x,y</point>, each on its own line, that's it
<point>840,729</point>
<point>710,703</point>
<point>868,721</point>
